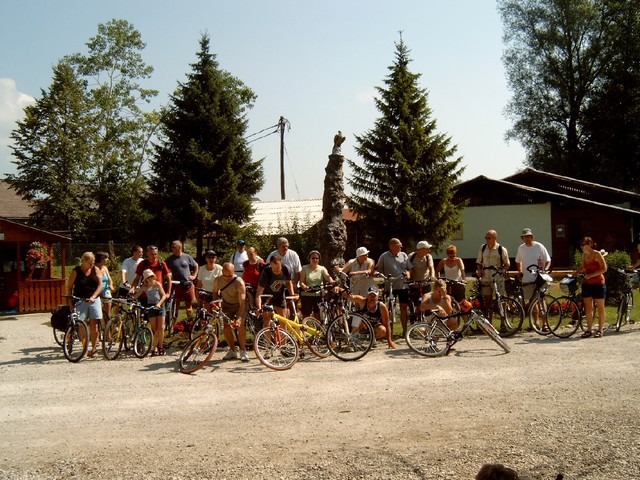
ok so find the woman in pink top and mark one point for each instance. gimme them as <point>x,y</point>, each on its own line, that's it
<point>593,288</point>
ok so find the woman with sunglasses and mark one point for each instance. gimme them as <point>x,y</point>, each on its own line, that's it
<point>311,275</point>
<point>594,289</point>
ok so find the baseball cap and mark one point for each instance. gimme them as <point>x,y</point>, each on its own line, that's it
<point>423,244</point>
<point>526,231</point>
<point>373,289</point>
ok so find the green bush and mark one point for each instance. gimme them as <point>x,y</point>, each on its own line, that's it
<point>615,279</point>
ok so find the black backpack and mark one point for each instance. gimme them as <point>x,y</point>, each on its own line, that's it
<point>60,317</point>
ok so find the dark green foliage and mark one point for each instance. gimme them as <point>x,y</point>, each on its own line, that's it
<point>614,278</point>
<point>573,68</point>
<point>52,154</point>
<point>203,173</point>
<point>403,187</point>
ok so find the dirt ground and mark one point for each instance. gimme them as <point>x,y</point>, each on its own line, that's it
<point>549,406</point>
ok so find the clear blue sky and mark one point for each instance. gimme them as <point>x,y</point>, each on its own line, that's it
<point>314,62</point>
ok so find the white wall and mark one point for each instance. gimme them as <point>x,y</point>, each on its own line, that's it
<point>508,221</point>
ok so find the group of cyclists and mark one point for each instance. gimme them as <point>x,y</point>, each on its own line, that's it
<point>416,282</point>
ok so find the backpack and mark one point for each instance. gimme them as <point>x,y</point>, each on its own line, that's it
<point>500,252</point>
<point>60,317</point>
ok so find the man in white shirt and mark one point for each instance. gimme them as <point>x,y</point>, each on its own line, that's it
<point>128,271</point>
<point>239,257</point>
<point>531,253</point>
<point>290,259</point>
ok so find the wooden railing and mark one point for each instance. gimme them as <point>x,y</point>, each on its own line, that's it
<point>40,295</point>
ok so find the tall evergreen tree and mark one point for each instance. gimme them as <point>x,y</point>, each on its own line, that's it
<point>203,171</point>
<point>404,187</point>
<point>52,151</point>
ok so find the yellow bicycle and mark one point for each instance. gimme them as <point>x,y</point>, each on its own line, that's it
<point>279,345</point>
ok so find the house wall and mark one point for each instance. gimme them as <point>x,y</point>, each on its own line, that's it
<point>508,221</point>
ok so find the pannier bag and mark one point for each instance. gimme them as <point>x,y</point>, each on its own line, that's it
<point>60,317</point>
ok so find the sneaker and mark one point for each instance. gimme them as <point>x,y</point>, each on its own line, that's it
<point>243,356</point>
<point>231,355</point>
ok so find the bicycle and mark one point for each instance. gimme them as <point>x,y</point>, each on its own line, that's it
<point>502,310</point>
<point>197,353</point>
<point>171,308</point>
<point>127,328</point>
<point>625,303</point>
<point>565,312</point>
<point>433,338</point>
<point>279,345</point>
<point>417,288</point>
<point>389,298</point>
<point>75,342</point>
<point>539,302</point>
<point>252,321</point>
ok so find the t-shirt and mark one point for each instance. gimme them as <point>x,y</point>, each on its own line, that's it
<point>291,260</point>
<point>313,279</point>
<point>394,267</point>
<point>129,267</point>
<point>181,267</point>
<point>207,277</point>
<point>158,267</point>
<point>251,272</point>
<point>536,254</point>
<point>238,258</point>
<point>420,267</point>
<point>274,284</point>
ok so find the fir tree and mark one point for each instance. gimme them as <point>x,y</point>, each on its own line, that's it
<point>404,187</point>
<point>203,171</point>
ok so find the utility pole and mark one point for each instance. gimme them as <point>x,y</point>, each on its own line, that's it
<point>282,123</point>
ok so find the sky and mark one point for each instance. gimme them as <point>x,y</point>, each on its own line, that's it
<point>315,63</point>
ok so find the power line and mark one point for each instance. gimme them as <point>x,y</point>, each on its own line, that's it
<point>264,129</point>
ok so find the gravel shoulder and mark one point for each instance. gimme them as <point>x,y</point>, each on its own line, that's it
<point>549,406</point>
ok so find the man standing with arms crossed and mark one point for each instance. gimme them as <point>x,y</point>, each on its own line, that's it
<point>395,263</point>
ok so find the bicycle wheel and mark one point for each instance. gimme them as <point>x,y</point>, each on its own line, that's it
<point>564,317</point>
<point>491,331</point>
<point>428,339</point>
<point>142,341</point>
<point>623,313</point>
<point>316,340</point>
<point>129,332</point>
<point>350,337</point>
<point>76,341</point>
<point>197,353</point>
<point>112,338</point>
<point>58,336</point>
<point>199,324</point>
<point>276,348</point>
<point>507,316</point>
<point>541,308</point>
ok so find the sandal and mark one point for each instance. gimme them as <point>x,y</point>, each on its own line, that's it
<point>154,353</point>
<point>161,352</point>
<point>598,334</point>
<point>586,334</point>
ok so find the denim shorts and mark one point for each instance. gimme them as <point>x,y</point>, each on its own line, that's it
<point>89,311</point>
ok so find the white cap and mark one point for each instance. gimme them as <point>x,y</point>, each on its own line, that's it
<point>361,251</point>
<point>423,244</point>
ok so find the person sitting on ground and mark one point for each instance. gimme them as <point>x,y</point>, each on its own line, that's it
<point>231,289</point>
<point>312,275</point>
<point>156,297</point>
<point>376,312</point>
<point>439,302</point>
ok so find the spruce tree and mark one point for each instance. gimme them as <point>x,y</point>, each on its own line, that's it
<point>404,186</point>
<point>203,171</point>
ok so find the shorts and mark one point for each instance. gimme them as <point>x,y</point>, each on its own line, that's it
<point>309,304</point>
<point>89,311</point>
<point>527,291</point>
<point>590,290</point>
<point>487,290</point>
<point>156,312</point>
<point>402,295</point>
<point>188,295</point>
<point>230,309</point>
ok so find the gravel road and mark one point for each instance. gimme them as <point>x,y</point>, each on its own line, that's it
<point>549,406</point>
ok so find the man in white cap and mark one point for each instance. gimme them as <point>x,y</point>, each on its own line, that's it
<point>531,253</point>
<point>423,269</point>
<point>360,271</point>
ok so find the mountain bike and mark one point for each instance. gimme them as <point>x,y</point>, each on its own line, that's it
<point>504,313</point>
<point>75,342</point>
<point>129,329</point>
<point>433,338</point>
<point>537,310</point>
<point>171,307</point>
<point>566,313</point>
<point>389,299</point>
<point>279,345</point>
<point>625,302</point>
<point>197,353</point>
